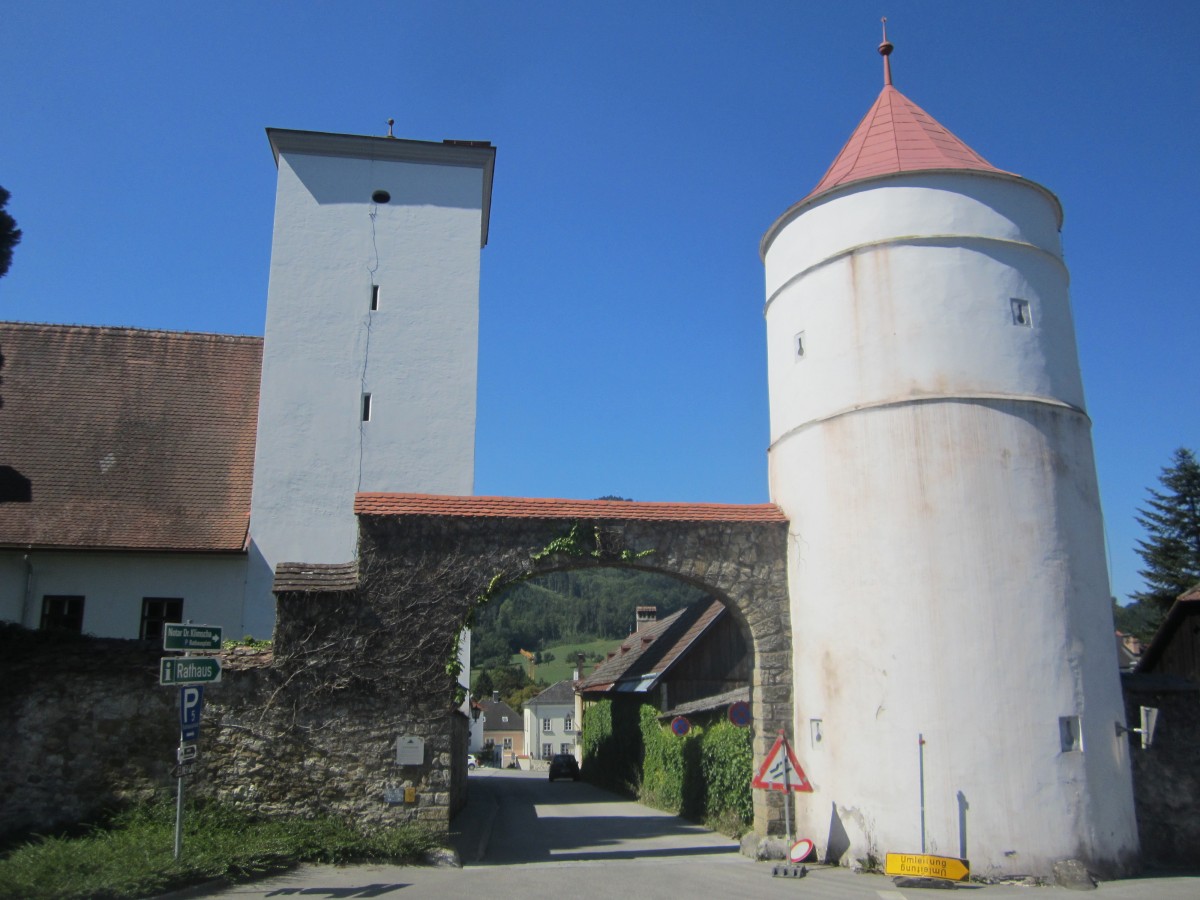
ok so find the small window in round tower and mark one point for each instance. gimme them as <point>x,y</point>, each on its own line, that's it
<point>1021,314</point>
<point>381,196</point>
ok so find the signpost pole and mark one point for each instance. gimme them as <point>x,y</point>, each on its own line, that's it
<point>179,814</point>
<point>921,764</point>
<point>787,792</point>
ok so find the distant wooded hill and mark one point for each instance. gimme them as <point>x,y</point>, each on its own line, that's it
<point>563,607</point>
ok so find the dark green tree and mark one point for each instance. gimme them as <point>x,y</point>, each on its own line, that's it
<point>483,687</point>
<point>1171,517</point>
<point>10,234</point>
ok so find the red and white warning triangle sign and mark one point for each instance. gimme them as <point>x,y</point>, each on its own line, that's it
<point>781,770</point>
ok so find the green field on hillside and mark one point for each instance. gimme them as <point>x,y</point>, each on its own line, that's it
<point>563,663</point>
<point>561,666</point>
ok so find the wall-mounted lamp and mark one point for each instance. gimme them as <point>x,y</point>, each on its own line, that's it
<point>1149,723</point>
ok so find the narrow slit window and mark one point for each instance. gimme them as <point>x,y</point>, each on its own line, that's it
<point>800,345</point>
<point>366,407</point>
<point>1070,735</point>
<point>1021,314</point>
<point>374,297</point>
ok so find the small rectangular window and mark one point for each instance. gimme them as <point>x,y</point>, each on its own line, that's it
<point>508,743</point>
<point>374,297</point>
<point>564,748</point>
<point>366,407</point>
<point>1021,314</point>
<point>62,612</point>
<point>156,611</point>
<point>547,751</point>
<point>568,721</point>
<point>546,725</point>
<point>1069,734</point>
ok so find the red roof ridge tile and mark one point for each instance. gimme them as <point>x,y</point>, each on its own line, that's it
<point>404,504</point>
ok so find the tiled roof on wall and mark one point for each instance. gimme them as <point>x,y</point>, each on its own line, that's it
<point>120,438</point>
<point>315,577</point>
<point>383,504</point>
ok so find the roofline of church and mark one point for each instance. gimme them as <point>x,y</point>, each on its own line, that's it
<point>469,154</point>
<point>802,206</point>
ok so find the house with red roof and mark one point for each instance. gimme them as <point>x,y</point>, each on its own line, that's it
<point>153,476</point>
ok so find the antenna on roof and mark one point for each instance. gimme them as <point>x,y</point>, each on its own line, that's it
<point>885,50</point>
<point>392,122</point>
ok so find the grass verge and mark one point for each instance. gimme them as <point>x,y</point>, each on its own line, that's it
<point>131,855</point>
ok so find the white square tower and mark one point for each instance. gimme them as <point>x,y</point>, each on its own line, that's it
<point>371,344</point>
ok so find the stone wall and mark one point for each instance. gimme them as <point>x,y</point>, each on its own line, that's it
<point>83,725</point>
<point>360,658</point>
<point>86,727</point>
<point>1166,775</point>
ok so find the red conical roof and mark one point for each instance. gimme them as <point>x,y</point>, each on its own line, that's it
<point>896,135</point>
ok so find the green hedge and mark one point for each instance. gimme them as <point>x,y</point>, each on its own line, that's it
<point>612,749</point>
<point>704,775</point>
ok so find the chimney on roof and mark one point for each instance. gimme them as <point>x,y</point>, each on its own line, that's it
<point>645,616</point>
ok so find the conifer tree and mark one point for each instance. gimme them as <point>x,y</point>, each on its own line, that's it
<point>10,234</point>
<point>1171,518</point>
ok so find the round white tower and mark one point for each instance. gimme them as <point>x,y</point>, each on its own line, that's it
<point>956,681</point>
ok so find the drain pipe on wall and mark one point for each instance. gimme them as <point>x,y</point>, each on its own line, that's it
<point>28,590</point>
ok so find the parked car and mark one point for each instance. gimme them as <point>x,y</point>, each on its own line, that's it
<point>563,765</point>
<point>472,762</point>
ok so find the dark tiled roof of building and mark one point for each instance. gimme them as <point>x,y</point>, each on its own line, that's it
<point>494,712</point>
<point>708,704</point>
<point>315,578</point>
<point>645,656</point>
<point>383,504</point>
<point>1186,605</point>
<point>560,692</point>
<point>119,438</point>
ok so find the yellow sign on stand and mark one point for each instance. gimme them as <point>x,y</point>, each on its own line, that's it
<point>920,865</point>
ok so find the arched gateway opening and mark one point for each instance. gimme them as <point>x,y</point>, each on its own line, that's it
<point>389,624</point>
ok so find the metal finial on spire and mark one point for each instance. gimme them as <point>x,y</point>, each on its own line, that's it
<point>391,122</point>
<point>885,50</point>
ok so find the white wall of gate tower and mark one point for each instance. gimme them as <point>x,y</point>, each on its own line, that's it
<point>931,447</point>
<point>367,296</point>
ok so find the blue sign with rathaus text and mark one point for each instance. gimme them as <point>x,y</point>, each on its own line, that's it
<point>191,701</point>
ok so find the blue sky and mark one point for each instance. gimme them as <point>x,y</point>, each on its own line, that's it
<point>643,149</point>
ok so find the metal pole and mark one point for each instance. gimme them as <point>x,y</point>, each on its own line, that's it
<point>921,761</point>
<point>787,790</point>
<point>179,814</point>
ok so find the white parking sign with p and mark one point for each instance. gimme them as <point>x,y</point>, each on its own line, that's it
<point>191,702</point>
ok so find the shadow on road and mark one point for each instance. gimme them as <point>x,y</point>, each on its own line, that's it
<point>521,818</point>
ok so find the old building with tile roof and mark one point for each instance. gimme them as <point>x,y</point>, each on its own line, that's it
<point>127,463</point>
<point>154,476</point>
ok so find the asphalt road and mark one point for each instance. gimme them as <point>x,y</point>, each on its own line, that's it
<point>522,836</point>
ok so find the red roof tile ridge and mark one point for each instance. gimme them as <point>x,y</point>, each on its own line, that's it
<point>387,503</point>
<point>128,329</point>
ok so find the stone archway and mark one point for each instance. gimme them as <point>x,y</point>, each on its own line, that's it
<point>388,624</point>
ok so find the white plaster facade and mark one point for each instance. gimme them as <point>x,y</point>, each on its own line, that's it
<point>551,722</point>
<point>947,571</point>
<point>114,584</point>
<point>335,253</point>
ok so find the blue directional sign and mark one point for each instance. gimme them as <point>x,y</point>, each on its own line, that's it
<point>191,702</point>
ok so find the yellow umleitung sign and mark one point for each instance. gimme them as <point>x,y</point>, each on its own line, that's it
<point>919,865</point>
